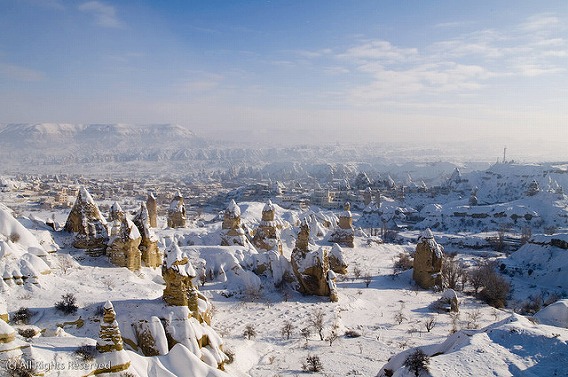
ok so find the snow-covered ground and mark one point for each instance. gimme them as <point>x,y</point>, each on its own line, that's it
<point>380,315</point>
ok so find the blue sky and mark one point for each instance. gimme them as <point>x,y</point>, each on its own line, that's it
<point>332,70</point>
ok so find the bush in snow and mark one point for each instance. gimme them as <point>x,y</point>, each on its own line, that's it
<point>403,263</point>
<point>28,332</point>
<point>86,352</point>
<point>250,331</point>
<point>67,304</point>
<point>22,316</point>
<point>417,362</point>
<point>312,364</point>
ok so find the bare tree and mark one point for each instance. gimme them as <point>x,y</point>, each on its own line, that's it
<point>473,319</point>
<point>317,320</point>
<point>357,272</point>
<point>451,272</point>
<point>332,337</point>
<point>306,333</point>
<point>430,323</point>
<point>287,329</point>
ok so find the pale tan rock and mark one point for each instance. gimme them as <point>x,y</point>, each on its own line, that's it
<point>123,245</point>
<point>112,358</point>
<point>267,236</point>
<point>152,206</point>
<point>151,255</point>
<point>311,268</point>
<point>233,233</point>
<point>428,261</point>
<point>176,213</point>
<point>345,234</point>
<point>86,220</point>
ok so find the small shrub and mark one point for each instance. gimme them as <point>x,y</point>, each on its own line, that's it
<point>250,331</point>
<point>352,334</point>
<point>230,354</point>
<point>357,272</point>
<point>67,305</point>
<point>312,364</point>
<point>317,320</point>
<point>367,278</point>
<point>14,237</point>
<point>417,362</point>
<point>22,316</point>
<point>403,263</point>
<point>86,352</point>
<point>28,332</point>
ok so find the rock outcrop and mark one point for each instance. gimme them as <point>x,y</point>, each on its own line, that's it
<point>311,268</point>
<point>152,205</point>
<point>428,261</point>
<point>176,213</point>
<point>233,232</point>
<point>116,212</point>
<point>267,236</point>
<point>336,261</point>
<point>151,255</point>
<point>112,357</point>
<point>86,221</point>
<point>345,234</point>
<point>123,245</point>
<point>3,310</point>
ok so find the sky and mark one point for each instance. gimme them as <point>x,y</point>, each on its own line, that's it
<point>293,71</point>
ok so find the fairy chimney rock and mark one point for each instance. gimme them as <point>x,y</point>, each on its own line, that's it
<point>267,235</point>
<point>428,261</point>
<point>3,310</point>
<point>176,212</point>
<point>233,233</point>
<point>344,234</point>
<point>113,358</point>
<point>86,220</point>
<point>123,245</point>
<point>311,268</point>
<point>178,273</point>
<point>152,206</point>
<point>116,212</point>
<point>151,255</point>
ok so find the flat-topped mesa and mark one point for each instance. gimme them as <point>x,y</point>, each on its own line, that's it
<point>267,236</point>
<point>116,212</point>
<point>112,357</point>
<point>152,205</point>
<point>123,245</point>
<point>176,212</point>
<point>345,234</point>
<point>233,233</point>
<point>311,268</point>
<point>151,255</point>
<point>86,220</point>
<point>428,261</point>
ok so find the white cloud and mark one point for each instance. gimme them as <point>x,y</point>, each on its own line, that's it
<point>205,83</point>
<point>105,15</point>
<point>540,22</point>
<point>15,72</point>
<point>380,50</point>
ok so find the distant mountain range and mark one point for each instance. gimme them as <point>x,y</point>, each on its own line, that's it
<point>92,134</point>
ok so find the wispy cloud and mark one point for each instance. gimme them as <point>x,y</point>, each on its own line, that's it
<point>380,50</point>
<point>105,15</point>
<point>205,83</point>
<point>14,72</point>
